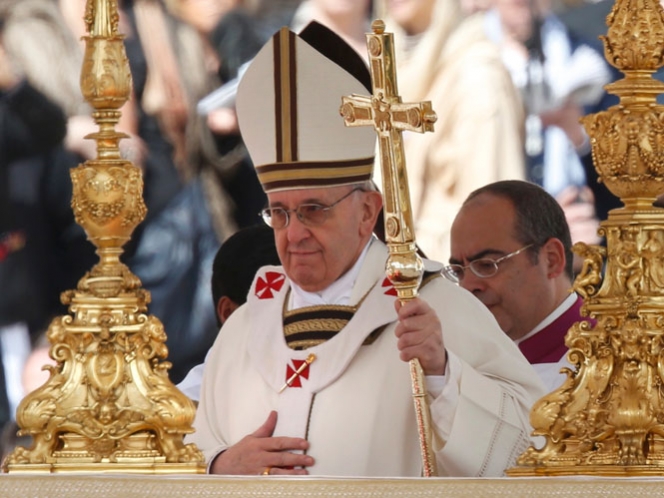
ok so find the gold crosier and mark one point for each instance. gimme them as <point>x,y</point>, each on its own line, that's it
<point>108,404</point>
<point>607,418</point>
<point>390,117</point>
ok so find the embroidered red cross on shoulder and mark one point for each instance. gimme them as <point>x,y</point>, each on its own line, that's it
<point>273,281</point>
<point>299,370</point>
<point>390,291</point>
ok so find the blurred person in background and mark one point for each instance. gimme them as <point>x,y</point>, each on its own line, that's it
<point>30,125</point>
<point>587,20</point>
<point>350,19</point>
<point>44,40</point>
<point>448,60</point>
<point>235,38</point>
<point>561,78</point>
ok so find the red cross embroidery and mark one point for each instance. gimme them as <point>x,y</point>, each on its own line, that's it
<point>273,281</point>
<point>292,375</point>
<point>391,291</point>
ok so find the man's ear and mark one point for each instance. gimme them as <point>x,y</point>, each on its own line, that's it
<point>554,253</point>
<point>225,306</point>
<point>372,203</point>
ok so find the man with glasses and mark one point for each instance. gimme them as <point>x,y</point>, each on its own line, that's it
<point>311,375</point>
<point>511,247</point>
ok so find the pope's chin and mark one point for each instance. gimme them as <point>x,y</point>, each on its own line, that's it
<point>305,274</point>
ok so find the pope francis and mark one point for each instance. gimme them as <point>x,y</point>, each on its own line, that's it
<point>311,375</point>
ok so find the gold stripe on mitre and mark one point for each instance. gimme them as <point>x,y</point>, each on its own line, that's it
<point>314,174</point>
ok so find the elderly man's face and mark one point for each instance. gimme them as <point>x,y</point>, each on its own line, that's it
<point>315,256</point>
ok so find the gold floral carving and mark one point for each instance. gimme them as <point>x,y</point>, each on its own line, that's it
<point>634,37</point>
<point>607,417</point>
<point>108,404</point>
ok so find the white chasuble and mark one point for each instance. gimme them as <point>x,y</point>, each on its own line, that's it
<point>353,403</point>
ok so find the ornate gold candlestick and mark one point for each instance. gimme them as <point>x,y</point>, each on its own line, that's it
<point>608,417</point>
<point>108,404</point>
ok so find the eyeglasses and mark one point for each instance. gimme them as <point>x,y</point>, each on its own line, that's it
<point>482,268</point>
<point>309,214</point>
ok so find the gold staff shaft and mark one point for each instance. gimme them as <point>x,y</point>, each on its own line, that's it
<point>390,117</point>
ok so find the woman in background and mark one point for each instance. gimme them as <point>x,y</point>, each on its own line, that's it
<point>447,60</point>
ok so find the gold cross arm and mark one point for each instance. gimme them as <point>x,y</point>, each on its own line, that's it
<point>385,116</point>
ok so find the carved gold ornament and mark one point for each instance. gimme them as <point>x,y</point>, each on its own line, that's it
<point>608,416</point>
<point>108,404</point>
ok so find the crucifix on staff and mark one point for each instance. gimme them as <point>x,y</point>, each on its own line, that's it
<point>390,117</point>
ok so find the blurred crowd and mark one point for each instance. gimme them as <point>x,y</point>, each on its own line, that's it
<point>509,80</point>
